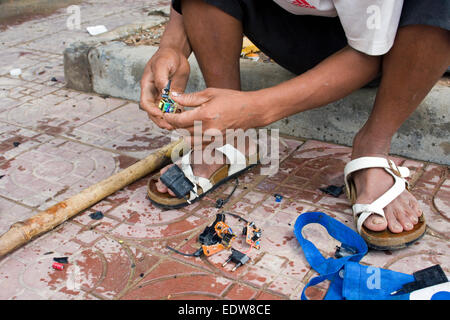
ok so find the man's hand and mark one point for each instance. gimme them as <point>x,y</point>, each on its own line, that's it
<point>166,63</point>
<point>218,109</point>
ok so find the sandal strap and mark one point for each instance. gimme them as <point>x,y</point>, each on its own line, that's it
<point>374,162</point>
<point>204,183</point>
<point>362,211</point>
<point>237,161</point>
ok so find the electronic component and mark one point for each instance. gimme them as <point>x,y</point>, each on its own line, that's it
<point>226,236</point>
<point>166,104</point>
<point>177,182</point>
<point>252,235</point>
<point>238,258</point>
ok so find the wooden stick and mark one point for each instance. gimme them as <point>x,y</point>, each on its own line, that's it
<point>23,231</point>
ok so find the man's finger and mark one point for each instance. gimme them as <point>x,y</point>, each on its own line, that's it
<point>183,120</point>
<point>194,99</point>
<point>149,93</point>
<point>155,114</point>
<point>161,75</point>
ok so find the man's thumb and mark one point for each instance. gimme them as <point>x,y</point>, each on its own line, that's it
<point>193,99</point>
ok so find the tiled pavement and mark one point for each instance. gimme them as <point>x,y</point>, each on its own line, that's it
<point>54,142</point>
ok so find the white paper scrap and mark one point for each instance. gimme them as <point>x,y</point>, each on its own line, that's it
<point>15,72</point>
<point>95,30</point>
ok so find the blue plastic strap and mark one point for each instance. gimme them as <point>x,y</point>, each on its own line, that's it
<point>329,268</point>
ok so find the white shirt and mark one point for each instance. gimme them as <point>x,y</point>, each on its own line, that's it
<point>370,25</point>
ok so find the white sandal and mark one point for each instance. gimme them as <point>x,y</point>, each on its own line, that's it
<point>381,240</point>
<point>237,165</point>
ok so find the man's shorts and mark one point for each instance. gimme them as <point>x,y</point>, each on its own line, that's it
<point>298,43</point>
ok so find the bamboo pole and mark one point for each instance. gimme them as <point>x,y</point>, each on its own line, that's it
<point>23,231</point>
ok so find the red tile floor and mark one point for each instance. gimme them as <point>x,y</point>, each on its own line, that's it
<point>125,256</point>
<point>54,142</point>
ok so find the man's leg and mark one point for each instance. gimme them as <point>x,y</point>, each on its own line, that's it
<point>418,58</point>
<point>216,39</point>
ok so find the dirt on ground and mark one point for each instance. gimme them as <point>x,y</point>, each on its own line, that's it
<point>145,37</point>
<point>152,37</point>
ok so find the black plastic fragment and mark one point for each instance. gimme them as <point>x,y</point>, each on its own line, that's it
<point>96,215</point>
<point>344,251</point>
<point>16,144</point>
<point>424,278</point>
<point>335,191</point>
<point>177,182</point>
<point>238,258</point>
<point>61,260</point>
<point>209,236</point>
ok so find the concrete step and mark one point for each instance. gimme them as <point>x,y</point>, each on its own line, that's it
<point>115,69</point>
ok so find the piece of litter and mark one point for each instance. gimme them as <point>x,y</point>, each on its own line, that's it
<point>120,241</point>
<point>252,56</point>
<point>96,215</point>
<point>15,72</point>
<point>2,176</point>
<point>61,260</point>
<point>335,191</point>
<point>58,266</point>
<point>248,47</point>
<point>16,144</point>
<point>53,79</point>
<point>278,197</point>
<point>47,253</point>
<point>95,30</point>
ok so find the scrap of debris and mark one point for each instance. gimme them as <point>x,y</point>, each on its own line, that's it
<point>58,266</point>
<point>98,215</point>
<point>252,52</point>
<point>147,37</point>
<point>335,191</point>
<point>64,260</point>
<point>219,236</point>
<point>278,197</point>
<point>96,30</point>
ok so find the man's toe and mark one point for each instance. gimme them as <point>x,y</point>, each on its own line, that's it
<point>161,187</point>
<point>403,218</point>
<point>375,223</point>
<point>393,224</point>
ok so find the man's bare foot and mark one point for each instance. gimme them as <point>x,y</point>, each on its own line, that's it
<point>401,214</point>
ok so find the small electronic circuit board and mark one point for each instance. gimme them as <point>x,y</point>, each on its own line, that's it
<point>166,104</point>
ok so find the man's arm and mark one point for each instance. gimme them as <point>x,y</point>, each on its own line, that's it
<point>169,62</point>
<point>174,35</point>
<point>334,78</point>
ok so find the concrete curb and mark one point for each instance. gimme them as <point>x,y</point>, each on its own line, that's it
<point>115,69</point>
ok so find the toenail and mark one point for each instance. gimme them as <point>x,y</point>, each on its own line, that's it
<point>408,225</point>
<point>378,221</point>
